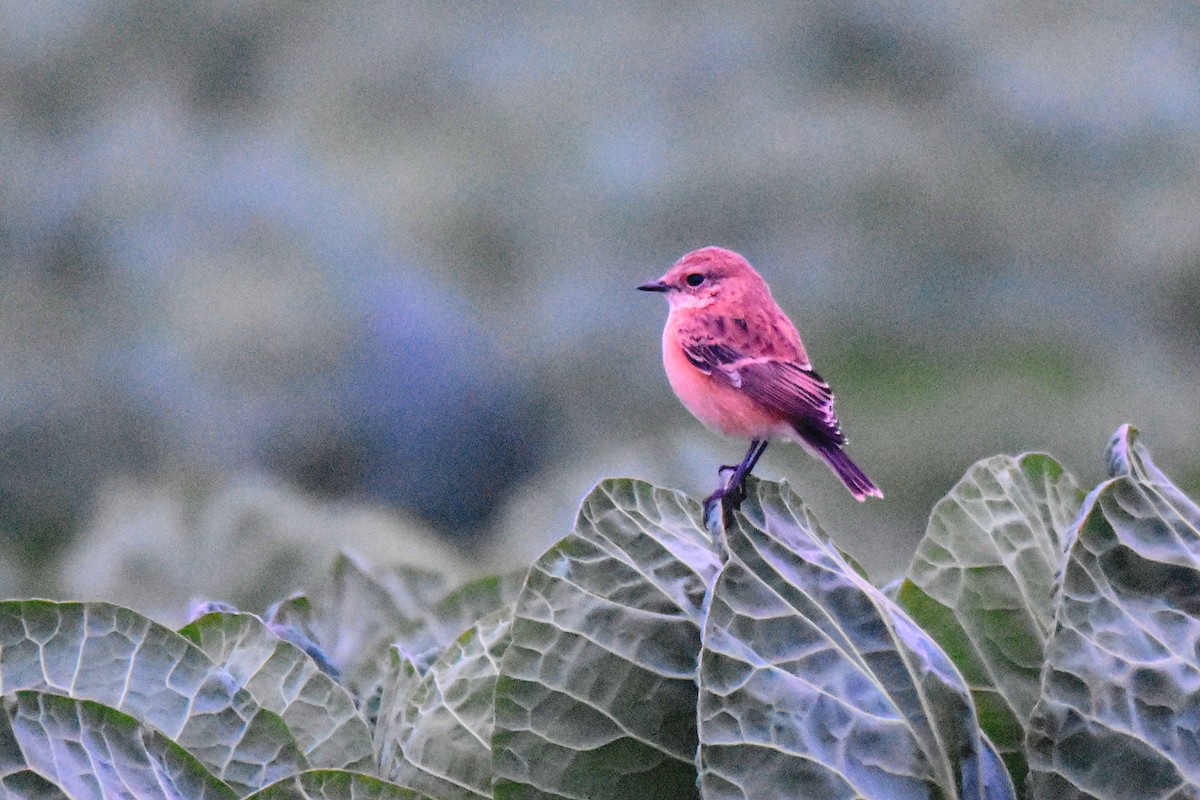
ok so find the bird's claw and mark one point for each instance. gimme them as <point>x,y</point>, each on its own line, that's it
<point>709,503</point>
<point>729,497</point>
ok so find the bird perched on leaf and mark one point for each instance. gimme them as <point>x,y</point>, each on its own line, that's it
<point>737,364</point>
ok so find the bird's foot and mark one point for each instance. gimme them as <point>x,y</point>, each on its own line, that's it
<point>710,508</point>
<point>732,490</point>
<point>729,474</point>
<point>729,497</point>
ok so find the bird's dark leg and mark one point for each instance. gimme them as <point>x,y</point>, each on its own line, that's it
<point>732,492</point>
<point>757,448</point>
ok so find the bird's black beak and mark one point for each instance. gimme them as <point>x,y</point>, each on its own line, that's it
<point>653,286</point>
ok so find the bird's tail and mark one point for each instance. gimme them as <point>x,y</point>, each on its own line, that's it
<point>855,479</point>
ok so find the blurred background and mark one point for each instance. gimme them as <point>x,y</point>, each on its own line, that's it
<point>278,278</point>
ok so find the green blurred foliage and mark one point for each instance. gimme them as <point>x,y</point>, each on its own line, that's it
<point>981,218</point>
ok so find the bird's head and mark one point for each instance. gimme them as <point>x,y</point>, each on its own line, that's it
<point>704,276</point>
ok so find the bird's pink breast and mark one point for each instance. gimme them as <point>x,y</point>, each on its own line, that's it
<point>714,401</point>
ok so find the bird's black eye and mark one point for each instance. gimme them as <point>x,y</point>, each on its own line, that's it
<point>695,279</point>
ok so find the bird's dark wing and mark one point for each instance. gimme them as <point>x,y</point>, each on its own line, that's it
<point>796,392</point>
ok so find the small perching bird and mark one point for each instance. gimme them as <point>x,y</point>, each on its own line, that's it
<point>737,363</point>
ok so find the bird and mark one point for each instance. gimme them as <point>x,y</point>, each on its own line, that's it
<point>736,362</point>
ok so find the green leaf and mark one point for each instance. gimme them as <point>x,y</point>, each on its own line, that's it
<point>366,610</point>
<point>439,738</point>
<point>1118,716</point>
<point>401,678</point>
<point>292,620</point>
<point>56,746</point>
<point>114,656</point>
<point>471,602</point>
<point>814,684</point>
<point>334,784</point>
<point>982,583</point>
<point>369,608</point>
<point>282,678</point>
<point>597,696</point>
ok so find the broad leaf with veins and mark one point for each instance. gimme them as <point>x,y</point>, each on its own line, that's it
<point>983,583</point>
<point>1119,714</point>
<point>111,655</point>
<point>436,732</point>
<point>596,696</point>
<point>334,784</point>
<point>283,679</point>
<point>59,747</point>
<point>814,684</point>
